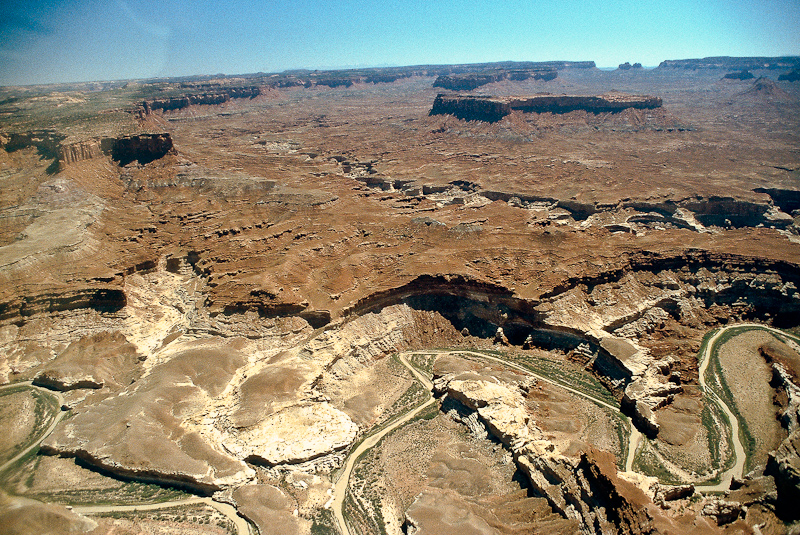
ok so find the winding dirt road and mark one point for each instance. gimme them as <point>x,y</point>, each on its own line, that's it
<point>59,415</point>
<point>242,526</point>
<point>738,449</point>
<point>340,488</point>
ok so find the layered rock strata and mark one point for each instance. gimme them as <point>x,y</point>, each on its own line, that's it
<point>143,148</point>
<point>205,407</point>
<point>104,359</point>
<point>614,313</point>
<point>145,432</point>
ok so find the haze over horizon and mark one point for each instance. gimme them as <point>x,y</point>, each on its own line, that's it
<point>87,40</point>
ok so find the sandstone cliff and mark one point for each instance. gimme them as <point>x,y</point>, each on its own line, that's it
<point>143,148</point>
<point>583,488</point>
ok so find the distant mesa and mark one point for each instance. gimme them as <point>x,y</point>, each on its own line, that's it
<point>470,81</point>
<point>217,97</point>
<point>733,64</point>
<point>739,75</point>
<point>627,66</point>
<point>792,76</point>
<point>492,108</point>
<point>471,76</point>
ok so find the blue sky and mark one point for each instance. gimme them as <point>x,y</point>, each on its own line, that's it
<point>86,40</point>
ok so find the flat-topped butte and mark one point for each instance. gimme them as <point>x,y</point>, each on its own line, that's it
<point>493,108</point>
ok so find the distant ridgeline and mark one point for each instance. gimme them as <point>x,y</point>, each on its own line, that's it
<point>189,91</point>
<point>492,109</point>
<point>515,71</point>
<point>732,63</point>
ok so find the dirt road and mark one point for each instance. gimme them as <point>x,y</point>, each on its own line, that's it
<point>340,488</point>
<point>738,449</point>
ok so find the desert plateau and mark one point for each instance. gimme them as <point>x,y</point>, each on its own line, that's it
<point>499,298</point>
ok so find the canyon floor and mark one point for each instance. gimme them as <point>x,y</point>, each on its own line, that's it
<point>308,308</point>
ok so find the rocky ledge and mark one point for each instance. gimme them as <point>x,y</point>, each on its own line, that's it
<point>493,108</point>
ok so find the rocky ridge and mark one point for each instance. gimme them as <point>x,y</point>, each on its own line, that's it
<point>218,97</point>
<point>692,213</point>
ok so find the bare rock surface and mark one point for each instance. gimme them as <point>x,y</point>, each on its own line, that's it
<point>105,359</point>
<point>295,434</point>
<point>784,466</point>
<point>146,431</point>
<point>261,245</point>
<point>446,511</point>
<point>582,488</point>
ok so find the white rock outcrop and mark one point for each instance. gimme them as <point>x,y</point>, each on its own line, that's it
<point>295,434</point>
